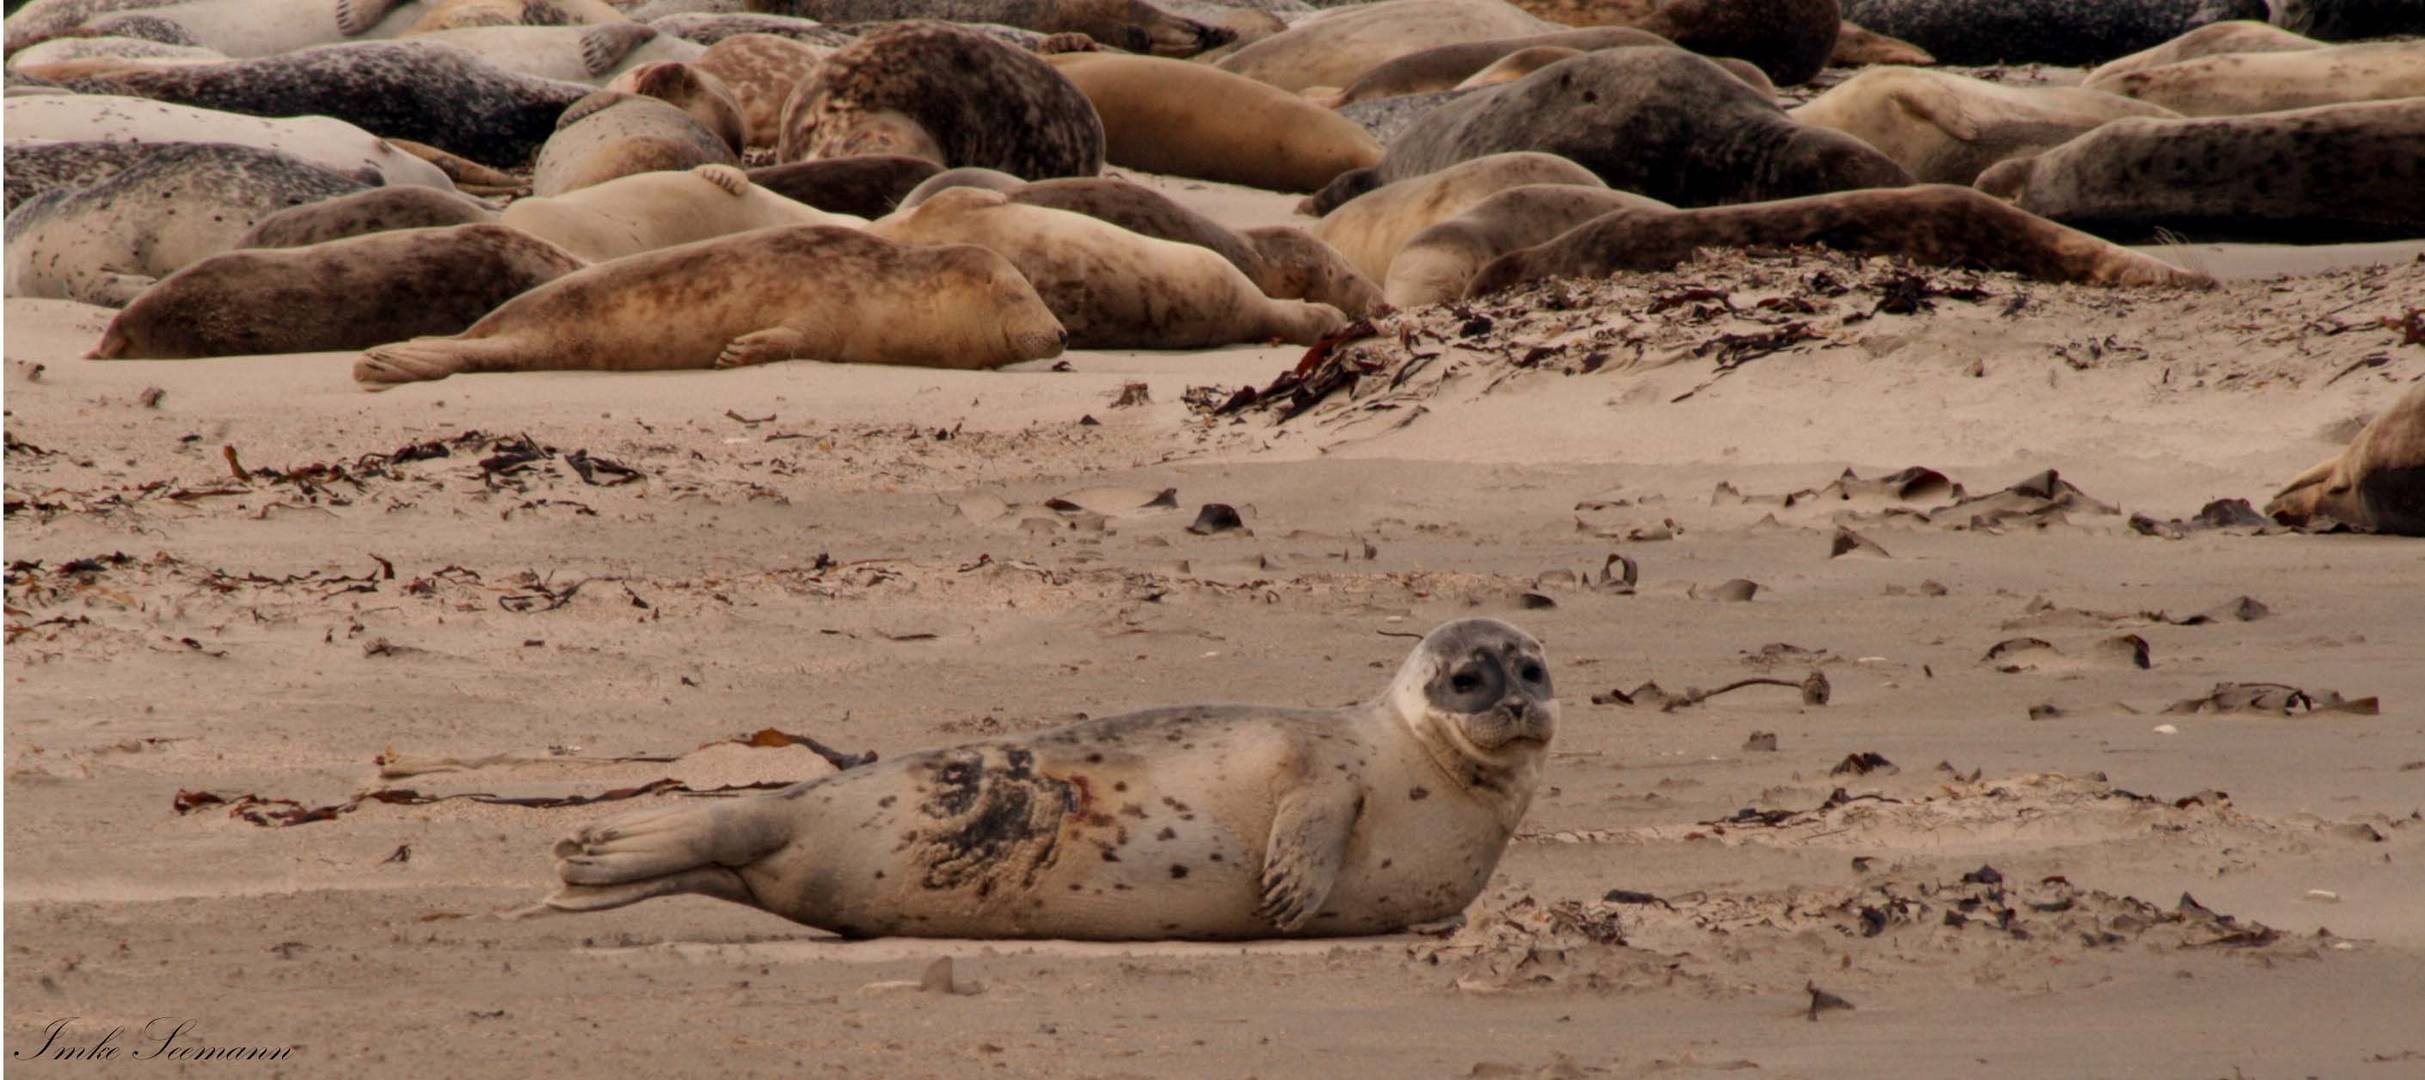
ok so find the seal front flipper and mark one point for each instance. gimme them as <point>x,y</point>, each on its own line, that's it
<point>112,288</point>
<point>1308,845</point>
<point>357,16</point>
<point>764,347</point>
<point>668,852</point>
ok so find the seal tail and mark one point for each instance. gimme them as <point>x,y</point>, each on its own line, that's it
<point>667,852</point>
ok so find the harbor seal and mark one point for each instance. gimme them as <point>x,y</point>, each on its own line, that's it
<point>105,243</point>
<point>708,28</point>
<point>2234,84</point>
<point>947,94</point>
<point>345,294</point>
<point>105,118</point>
<point>1112,288</point>
<point>1369,230</point>
<point>1789,40</point>
<point>458,14</point>
<point>652,210</point>
<point>2348,20</point>
<point>1936,224</point>
<point>694,90</point>
<point>1132,25</point>
<point>610,134</point>
<point>249,28</point>
<point>588,54</point>
<point>363,212</point>
<point>869,186</point>
<point>1435,265</point>
<point>2073,32</point>
<point>1184,119</point>
<point>804,292</point>
<point>110,47</point>
<point>1337,47</point>
<point>1947,129</point>
<point>2376,485</point>
<point>1660,121</point>
<point>2336,172</point>
<point>1444,67</point>
<point>1220,822</point>
<point>760,70</point>
<point>2212,39</point>
<point>424,91</point>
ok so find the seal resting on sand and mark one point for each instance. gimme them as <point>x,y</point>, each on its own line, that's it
<point>2376,485</point>
<point>948,94</point>
<point>1219,822</point>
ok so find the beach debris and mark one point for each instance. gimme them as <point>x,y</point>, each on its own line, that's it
<point>1133,394</point>
<point>2280,699</point>
<point>2015,655</point>
<point>1815,691</point>
<point>1737,590</point>
<point>1761,742</point>
<point>2234,515</point>
<point>1863,764</point>
<point>1822,1001</point>
<point>1848,542</point>
<point>1216,518</point>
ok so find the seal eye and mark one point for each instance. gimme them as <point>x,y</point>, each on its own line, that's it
<point>1464,682</point>
<point>1531,672</point>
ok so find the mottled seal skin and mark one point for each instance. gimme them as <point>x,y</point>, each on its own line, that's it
<point>868,187</point>
<point>695,91</point>
<point>2212,39</point>
<point>459,14</point>
<point>346,294</point>
<point>1442,67</point>
<point>712,29</point>
<point>362,213</point>
<point>653,210</point>
<point>104,118</point>
<point>1369,229</point>
<point>1184,119</point>
<point>1435,265</point>
<point>1790,40</point>
<point>1112,288</point>
<point>1947,129</point>
<point>2306,176</point>
<point>610,134</point>
<point>2234,84</point>
<point>1133,25</point>
<point>1339,46</point>
<point>2348,20</point>
<point>1214,822</point>
<point>250,28</point>
<point>427,92</point>
<point>42,20</point>
<point>2077,32</point>
<point>948,94</point>
<point>1936,224</point>
<point>36,168</point>
<point>588,54</point>
<point>804,292</point>
<point>1659,121</point>
<point>761,71</point>
<point>109,47</point>
<point>105,243</point>
<point>2376,485</point>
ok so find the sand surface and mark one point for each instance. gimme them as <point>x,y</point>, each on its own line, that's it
<point>866,556</point>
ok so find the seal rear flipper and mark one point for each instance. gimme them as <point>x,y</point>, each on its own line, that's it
<point>357,16</point>
<point>1308,844</point>
<point>670,851</point>
<point>764,347</point>
<point>714,881</point>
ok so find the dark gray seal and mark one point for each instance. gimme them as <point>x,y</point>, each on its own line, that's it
<point>869,186</point>
<point>443,95</point>
<point>2349,20</point>
<point>2077,32</point>
<point>347,294</point>
<point>1790,40</point>
<point>948,94</point>
<point>2335,172</point>
<point>364,212</point>
<point>1133,25</point>
<point>1658,121</point>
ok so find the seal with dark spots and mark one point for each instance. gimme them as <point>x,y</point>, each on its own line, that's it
<point>1445,67</point>
<point>1183,119</point>
<point>2079,32</point>
<point>1217,822</point>
<point>1947,129</point>
<point>611,134</point>
<point>107,118</point>
<point>2337,172</point>
<point>947,94</point>
<point>760,70</point>
<point>1132,25</point>
<point>2212,39</point>
<point>569,53</point>
<point>694,90</point>
<point>804,292</point>
<point>442,95</point>
<point>2239,83</point>
<point>1369,229</point>
<point>1935,224</point>
<point>105,243</point>
<point>364,212</point>
<point>659,209</point>
<point>1434,265</point>
<point>869,186</point>
<point>2376,485</point>
<point>1659,121</point>
<point>710,28</point>
<point>345,294</point>
<point>1112,288</point>
<point>243,28</point>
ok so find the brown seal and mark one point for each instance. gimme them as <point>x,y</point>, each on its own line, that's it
<point>1185,119</point>
<point>1947,129</point>
<point>1218,822</point>
<point>761,70</point>
<point>1132,25</point>
<point>1370,229</point>
<point>948,94</point>
<point>1789,40</point>
<point>1444,67</point>
<point>611,133</point>
<point>364,212</point>
<point>2239,83</point>
<point>1936,224</point>
<point>1113,288</point>
<point>1859,46</point>
<point>1337,47</point>
<point>344,294</point>
<point>2376,485</point>
<point>868,187</point>
<point>807,292</point>
<point>694,90</point>
<point>2212,39</point>
<point>1435,265</point>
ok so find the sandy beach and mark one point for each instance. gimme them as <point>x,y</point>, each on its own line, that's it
<point>302,682</point>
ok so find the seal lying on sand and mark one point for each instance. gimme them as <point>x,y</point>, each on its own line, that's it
<point>2075,32</point>
<point>347,294</point>
<point>2234,84</point>
<point>869,186</point>
<point>1937,224</point>
<point>947,94</point>
<point>365,212</point>
<point>1659,121</point>
<point>2212,39</point>
<point>104,118</point>
<point>1437,263</point>
<point>1131,25</point>
<point>660,209</point>
<point>1213,821</point>
<point>1183,119</point>
<point>806,292</point>
<point>1337,47</point>
<point>2377,485</point>
<point>2306,176</point>
<point>1112,288</point>
<point>1947,129</point>
<point>612,134</point>
<point>1370,228</point>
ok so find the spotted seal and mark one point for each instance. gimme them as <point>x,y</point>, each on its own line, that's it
<point>364,212</point>
<point>660,209</point>
<point>760,70</point>
<point>948,94</point>
<point>107,118</point>
<point>2239,83</point>
<point>611,133</point>
<point>567,53</point>
<point>1133,25</point>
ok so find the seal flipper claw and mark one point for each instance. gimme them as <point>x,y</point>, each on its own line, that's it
<point>763,347</point>
<point>666,852</point>
<point>357,16</point>
<point>605,46</point>
<point>732,180</point>
<point>1308,844</point>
